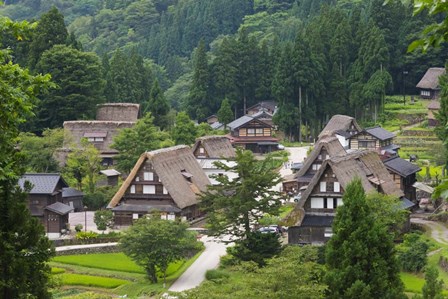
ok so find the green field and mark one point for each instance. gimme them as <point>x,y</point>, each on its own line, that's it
<point>109,273</point>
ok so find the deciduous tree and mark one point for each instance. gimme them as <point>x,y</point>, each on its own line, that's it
<point>103,219</point>
<point>184,131</point>
<point>154,243</point>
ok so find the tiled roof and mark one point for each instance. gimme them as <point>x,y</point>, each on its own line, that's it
<point>43,183</point>
<point>70,192</point>
<point>401,166</point>
<point>59,208</point>
<point>380,133</point>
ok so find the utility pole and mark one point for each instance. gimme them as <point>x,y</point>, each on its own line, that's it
<point>404,87</point>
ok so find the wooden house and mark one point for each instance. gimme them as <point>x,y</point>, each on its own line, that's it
<point>252,134</point>
<point>325,148</point>
<point>110,119</point>
<point>318,204</point>
<point>433,109</point>
<point>109,177</point>
<point>213,147</point>
<point>375,138</point>
<point>45,201</point>
<point>342,127</point>
<point>166,180</point>
<point>268,106</point>
<point>429,85</point>
<point>404,175</point>
<point>73,198</point>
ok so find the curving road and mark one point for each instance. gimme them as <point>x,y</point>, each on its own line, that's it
<point>195,274</point>
<point>439,232</point>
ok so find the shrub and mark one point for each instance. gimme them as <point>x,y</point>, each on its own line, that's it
<point>92,281</point>
<point>228,260</point>
<point>256,247</point>
<point>78,228</point>
<point>249,267</point>
<point>216,275</point>
<point>412,254</point>
<point>86,235</point>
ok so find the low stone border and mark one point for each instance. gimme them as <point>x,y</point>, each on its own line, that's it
<point>86,249</point>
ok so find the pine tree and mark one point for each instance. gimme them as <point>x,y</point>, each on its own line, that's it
<point>199,98</point>
<point>50,31</point>
<point>158,106</point>
<point>432,289</point>
<point>225,114</point>
<point>360,256</point>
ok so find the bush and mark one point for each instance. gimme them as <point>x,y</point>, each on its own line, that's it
<point>78,228</point>
<point>86,235</point>
<point>228,260</point>
<point>216,275</point>
<point>256,247</point>
<point>412,254</point>
<point>249,267</point>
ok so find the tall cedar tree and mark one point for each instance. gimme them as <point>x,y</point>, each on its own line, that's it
<point>80,86</point>
<point>24,248</point>
<point>234,205</point>
<point>49,31</point>
<point>133,142</point>
<point>225,114</point>
<point>199,98</point>
<point>360,256</point>
<point>184,131</point>
<point>442,115</point>
<point>154,243</point>
<point>158,106</point>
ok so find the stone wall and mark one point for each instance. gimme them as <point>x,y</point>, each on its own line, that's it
<point>90,250</point>
<point>117,112</point>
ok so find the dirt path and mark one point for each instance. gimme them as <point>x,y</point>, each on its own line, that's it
<point>439,232</point>
<point>407,127</point>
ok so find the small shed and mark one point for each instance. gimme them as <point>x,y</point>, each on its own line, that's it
<point>73,198</point>
<point>109,177</point>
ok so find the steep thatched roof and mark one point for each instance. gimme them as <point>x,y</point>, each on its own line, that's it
<point>332,146</point>
<point>434,105</point>
<point>215,146</point>
<point>431,78</point>
<point>365,165</point>
<point>339,123</point>
<point>169,163</point>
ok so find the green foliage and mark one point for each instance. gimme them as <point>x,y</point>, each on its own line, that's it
<point>24,248</point>
<point>49,31</point>
<point>83,166</point>
<point>225,114</point>
<point>78,227</point>
<point>360,256</point>
<point>132,143</point>
<point>412,254</point>
<point>158,106</point>
<point>86,235</point>
<point>230,204</point>
<point>432,289</point>
<point>184,131</point>
<point>256,247</point>
<point>216,275</point>
<point>55,270</point>
<point>92,281</point>
<point>80,86</point>
<point>39,150</point>
<point>293,272</point>
<point>156,243</point>
<point>104,219</point>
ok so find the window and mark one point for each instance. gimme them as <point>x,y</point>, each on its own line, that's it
<point>91,139</point>
<point>171,216</point>
<point>317,203</point>
<point>259,132</point>
<point>99,139</point>
<point>137,179</point>
<point>340,203</point>
<point>337,187</point>
<point>251,132</point>
<point>328,233</point>
<point>319,157</point>
<point>149,189</point>
<point>323,187</point>
<point>201,150</point>
<point>148,176</point>
<point>132,189</point>
<point>164,190</point>
<point>330,203</point>
<point>134,216</point>
<point>316,166</point>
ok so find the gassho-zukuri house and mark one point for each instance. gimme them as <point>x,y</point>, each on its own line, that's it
<point>166,180</point>
<point>318,205</point>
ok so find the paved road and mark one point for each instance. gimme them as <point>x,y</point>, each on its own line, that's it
<point>439,232</point>
<point>209,259</point>
<point>296,155</point>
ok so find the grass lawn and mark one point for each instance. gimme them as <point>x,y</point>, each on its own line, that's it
<point>91,281</point>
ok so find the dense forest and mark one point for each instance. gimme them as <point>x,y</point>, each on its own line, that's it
<point>314,58</point>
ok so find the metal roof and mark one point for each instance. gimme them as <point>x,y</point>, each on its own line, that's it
<point>110,172</point>
<point>401,166</point>
<point>406,203</point>
<point>59,208</point>
<point>380,133</point>
<point>239,122</point>
<point>71,192</point>
<point>43,183</point>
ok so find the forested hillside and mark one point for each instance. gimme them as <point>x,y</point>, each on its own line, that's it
<point>314,58</point>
